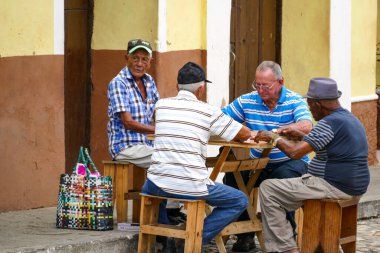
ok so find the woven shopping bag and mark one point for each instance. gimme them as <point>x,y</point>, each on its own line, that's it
<point>85,197</point>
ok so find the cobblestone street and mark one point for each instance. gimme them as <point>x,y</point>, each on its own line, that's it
<point>368,238</point>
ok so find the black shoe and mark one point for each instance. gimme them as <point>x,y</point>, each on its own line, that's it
<point>244,244</point>
<point>180,245</point>
<point>175,216</point>
<point>167,245</point>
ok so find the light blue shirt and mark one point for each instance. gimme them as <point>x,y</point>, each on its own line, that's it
<point>251,109</point>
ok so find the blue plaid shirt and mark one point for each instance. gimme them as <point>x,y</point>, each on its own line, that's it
<point>124,96</point>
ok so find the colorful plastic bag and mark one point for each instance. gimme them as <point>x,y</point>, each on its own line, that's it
<point>85,197</point>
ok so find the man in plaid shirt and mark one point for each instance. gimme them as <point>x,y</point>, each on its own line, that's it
<point>132,96</point>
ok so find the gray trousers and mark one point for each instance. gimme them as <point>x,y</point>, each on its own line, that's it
<point>277,196</point>
<point>139,155</point>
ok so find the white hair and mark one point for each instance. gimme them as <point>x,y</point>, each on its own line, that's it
<point>192,87</point>
<point>275,67</point>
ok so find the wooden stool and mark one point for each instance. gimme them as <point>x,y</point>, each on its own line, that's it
<point>329,223</point>
<point>149,227</point>
<point>299,222</point>
<point>127,180</point>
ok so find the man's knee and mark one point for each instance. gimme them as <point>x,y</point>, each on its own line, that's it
<point>266,188</point>
<point>243,201</point>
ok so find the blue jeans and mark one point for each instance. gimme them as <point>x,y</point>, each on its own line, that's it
<point>288,169</point>
<point>228,204</point>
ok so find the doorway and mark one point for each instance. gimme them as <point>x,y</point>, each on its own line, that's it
<point>255,36</point>
<point>77,87</point>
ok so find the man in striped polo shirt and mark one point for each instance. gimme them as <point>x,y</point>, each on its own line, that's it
<point>269,107</point>
<point>184,125</point>
<point>339,170</point>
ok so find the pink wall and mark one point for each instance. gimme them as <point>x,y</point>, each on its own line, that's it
<point>32,150</point>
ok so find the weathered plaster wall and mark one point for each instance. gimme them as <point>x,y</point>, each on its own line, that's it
<point>31,131</point>
<point>186,24</point>
<point>378,46</point>
<point>305,42</point>
<point>185,41</point>
<point>363,68</point>
<point>364,28</point>
<point>26,27</point>
<point>366,112</point>
<point>31,99</point>
<point>118,21</point>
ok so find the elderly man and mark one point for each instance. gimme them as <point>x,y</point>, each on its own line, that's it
<point>339,169</point>
<point>270,107</point>
<point>132,95</point>
<point>183,127</point>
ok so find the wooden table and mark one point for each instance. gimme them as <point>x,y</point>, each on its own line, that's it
<point>227,162</point>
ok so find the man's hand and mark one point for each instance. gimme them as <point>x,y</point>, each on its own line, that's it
<point>266,136</point>
<point>291,132</point>
<point>253,135</point>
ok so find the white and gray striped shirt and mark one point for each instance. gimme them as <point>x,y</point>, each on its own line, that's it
<point>183,127</point>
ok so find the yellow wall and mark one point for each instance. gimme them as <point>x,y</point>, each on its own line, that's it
<point>118,21</point>
<point>26,27</point>
<point>186,24</point>
<point>364,27</point>
<point>378,47</point>
<point>305,42</point>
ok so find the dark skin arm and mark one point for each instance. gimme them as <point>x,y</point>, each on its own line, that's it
<point>133,125</point>
<point>297,130</point>
<point>294,150</point>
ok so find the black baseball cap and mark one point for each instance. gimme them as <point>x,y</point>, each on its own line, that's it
<point>191,73</point>
<point>133,45</point>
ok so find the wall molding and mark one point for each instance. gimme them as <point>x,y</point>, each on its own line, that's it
<point>364,98</point>
<point>59,27</point>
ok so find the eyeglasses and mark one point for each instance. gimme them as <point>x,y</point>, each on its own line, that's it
<point>263,86</point>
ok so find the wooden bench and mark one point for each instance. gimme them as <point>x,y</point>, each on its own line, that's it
<point>128,180</point>
<point>191,232</point>
<point>329,223</point>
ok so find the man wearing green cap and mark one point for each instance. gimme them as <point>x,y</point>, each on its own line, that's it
<point>132,96</point>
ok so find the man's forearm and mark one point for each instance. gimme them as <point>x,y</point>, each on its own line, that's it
<point>243,135</point>
<point>304,126</point>
<point>139,127</point>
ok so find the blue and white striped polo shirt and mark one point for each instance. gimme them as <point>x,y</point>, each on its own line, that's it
<point>183,128</point>
<point>124,96</point>
<point>251,109</point>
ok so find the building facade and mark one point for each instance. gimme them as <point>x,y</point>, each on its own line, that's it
<point>57,58</point>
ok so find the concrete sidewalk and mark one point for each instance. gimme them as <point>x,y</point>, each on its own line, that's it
<point>34,230</point>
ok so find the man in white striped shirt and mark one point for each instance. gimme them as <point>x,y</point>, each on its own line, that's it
<point>184,125</point>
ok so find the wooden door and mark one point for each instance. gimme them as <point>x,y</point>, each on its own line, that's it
<point>255,36</point>
<point>77,88</point>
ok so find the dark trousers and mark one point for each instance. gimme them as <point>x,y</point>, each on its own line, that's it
<point>288,169</point>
